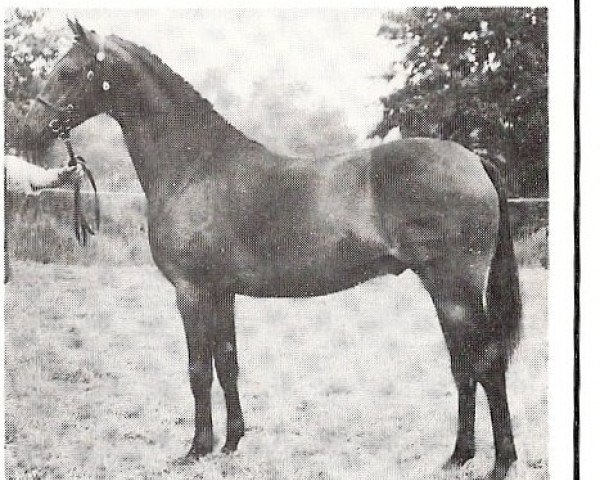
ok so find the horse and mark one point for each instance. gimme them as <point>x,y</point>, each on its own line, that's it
<point>227,216</point>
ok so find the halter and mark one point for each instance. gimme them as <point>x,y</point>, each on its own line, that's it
<point>61,126</point>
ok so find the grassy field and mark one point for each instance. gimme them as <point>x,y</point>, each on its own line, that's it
<point>350,386</point>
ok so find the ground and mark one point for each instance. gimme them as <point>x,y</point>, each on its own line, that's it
<point>351,386</point>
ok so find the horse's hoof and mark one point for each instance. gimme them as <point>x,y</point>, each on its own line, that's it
<point>230,446</point>
<point>458,459</point>
<point>228,449</point>
<point>195,454</point>
<point>453,463</point>
<point>500,471</point>
<point>185,460</point>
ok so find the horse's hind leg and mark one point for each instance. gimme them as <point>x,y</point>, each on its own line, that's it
<point>493,380</point>
<point>225,353</point>
<point>196,306</point>
<point>466,385</point>
<point>458,311</point>
<point>475,356</point>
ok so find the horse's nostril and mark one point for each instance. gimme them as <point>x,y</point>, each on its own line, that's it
<point>33,142</point>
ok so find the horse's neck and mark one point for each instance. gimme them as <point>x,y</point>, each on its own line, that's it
<point>172,141</point>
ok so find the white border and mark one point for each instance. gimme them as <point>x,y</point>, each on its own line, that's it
<point>560,291</point>
<point>561,15</point>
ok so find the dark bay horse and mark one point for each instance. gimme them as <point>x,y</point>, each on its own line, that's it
<point>227,216</point>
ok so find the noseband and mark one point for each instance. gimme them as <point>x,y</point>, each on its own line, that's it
<point>61,126</point>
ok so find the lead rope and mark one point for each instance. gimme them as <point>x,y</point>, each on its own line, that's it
<point>61,126</point>
<point>80,224</point>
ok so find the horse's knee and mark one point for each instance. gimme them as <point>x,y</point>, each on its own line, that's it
<point>459,317</point>
<point>478,347</point>
<point>463,378</point>
<point>453,313</point>
<point>225,350</point>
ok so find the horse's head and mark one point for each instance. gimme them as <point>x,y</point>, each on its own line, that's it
<point>88,80</point>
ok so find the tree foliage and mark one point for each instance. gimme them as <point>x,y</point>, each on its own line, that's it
<point>29,50</point>
<point>477,76</point>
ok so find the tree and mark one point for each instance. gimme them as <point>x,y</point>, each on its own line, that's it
<point>478,76</point>
<point>29,50</point>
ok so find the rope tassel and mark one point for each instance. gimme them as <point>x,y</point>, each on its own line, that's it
<point>81,225</point>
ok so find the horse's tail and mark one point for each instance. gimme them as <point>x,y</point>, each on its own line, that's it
<point>503,293</point>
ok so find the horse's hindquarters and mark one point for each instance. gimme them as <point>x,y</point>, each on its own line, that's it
<point>435,202</point>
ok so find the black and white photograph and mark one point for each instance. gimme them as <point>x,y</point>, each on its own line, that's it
<point>283,243</point>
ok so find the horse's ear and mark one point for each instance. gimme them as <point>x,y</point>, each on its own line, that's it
<point>72,26</point>
<point>81,34</point>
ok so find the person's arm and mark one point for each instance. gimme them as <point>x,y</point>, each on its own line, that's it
<point>25,177</point>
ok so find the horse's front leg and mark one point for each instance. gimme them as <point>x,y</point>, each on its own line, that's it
<point>225,353</point>
<point>196,306</point>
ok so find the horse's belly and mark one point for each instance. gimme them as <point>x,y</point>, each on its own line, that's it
<point>310,263</point>
<point>312,280</point>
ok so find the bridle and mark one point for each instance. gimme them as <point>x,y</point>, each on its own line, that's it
<point>61,126</point>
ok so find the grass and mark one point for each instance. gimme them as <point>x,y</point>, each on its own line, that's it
<point>41,230</point>
<point>532,249</point>
<point>350,386</point>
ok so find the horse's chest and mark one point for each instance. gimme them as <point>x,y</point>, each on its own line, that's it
<point>188,234</point>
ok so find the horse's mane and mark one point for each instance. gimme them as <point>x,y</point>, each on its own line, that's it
<point>179,88</point>
<point>172,81</point>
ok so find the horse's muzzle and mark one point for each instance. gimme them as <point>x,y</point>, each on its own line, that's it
<point>35,135</point>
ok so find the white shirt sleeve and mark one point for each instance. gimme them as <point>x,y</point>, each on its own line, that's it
<point>25,177</point>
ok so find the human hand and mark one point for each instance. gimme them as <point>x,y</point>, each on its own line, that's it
<point>70,174</point>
